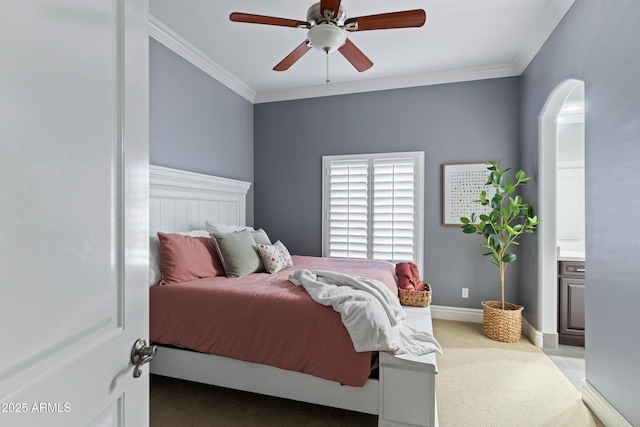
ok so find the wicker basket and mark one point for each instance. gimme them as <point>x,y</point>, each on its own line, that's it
<point>502,325</point>
<point>416,298</point>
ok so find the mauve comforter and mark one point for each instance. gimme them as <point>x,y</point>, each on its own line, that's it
<point>263,318</point>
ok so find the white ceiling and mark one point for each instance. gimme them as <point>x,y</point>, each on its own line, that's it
<point>461,40</point>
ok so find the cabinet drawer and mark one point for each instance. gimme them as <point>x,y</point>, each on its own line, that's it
<point>572,268</point>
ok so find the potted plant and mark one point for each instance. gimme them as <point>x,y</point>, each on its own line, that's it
<point>507,219</point>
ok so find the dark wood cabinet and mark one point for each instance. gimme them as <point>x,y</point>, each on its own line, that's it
<point>571,302</point>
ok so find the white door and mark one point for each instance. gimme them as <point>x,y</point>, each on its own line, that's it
<point>73,211</point>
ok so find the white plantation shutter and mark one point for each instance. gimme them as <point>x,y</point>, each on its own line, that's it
<point>348,209</point>
<point>394,209</point>
<point>372,206</point>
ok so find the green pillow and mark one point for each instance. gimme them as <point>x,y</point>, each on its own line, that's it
<point>261,237</point>
<point>238,253</point>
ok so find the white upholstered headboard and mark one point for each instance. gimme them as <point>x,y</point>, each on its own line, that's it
<point>184,201</point>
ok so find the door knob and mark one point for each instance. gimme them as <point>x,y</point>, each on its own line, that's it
<point>141,353</point>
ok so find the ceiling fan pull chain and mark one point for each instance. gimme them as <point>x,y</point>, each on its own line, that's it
<point>327,81</point>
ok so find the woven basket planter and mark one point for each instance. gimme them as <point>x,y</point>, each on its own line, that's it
<point>502,325</point>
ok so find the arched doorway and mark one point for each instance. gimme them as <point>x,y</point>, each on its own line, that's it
<point>563,96</point>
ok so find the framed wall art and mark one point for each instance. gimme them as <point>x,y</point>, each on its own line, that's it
<point>461,187</point>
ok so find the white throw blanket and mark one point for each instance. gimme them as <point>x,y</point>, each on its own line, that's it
<point>369,310</point>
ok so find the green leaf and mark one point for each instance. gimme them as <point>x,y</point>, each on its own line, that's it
<point>488,229</point>
<point>464,220</point>
<point>483,198</point>
<point>508,257</point>
<point>496,200</point>
<point>468,229</point>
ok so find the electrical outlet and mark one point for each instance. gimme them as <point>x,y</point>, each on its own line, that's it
<point>465,292</point>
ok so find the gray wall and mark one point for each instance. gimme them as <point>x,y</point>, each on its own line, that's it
<point>599,42</point>
<point>459,122</point>
<point>196,123</point>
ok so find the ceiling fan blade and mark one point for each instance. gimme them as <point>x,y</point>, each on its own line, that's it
<point>267,20</point>
<point>354,55</point>
<point>383,21</point>
<point>291,59</point>
<point>333,5</point>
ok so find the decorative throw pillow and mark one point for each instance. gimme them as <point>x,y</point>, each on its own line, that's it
<point>155,273</point>
<point>186,258</point>
<point>275,257</point>
<point>408,277</point>
<point>238,253</point>
<point>285,253</point>
<point>260,236</point>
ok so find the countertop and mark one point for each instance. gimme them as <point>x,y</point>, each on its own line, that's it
<point>570,256</point>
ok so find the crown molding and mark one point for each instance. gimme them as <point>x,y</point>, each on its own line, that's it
<point>165,35</point>
<point>557,10</point>
<point>424,79</point>
<point>179,45</point>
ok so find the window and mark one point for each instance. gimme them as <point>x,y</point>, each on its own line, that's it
<point>372,206</point>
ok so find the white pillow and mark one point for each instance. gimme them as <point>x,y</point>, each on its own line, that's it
<point>275,257</point>
<point>218,227</point>
<point>155,275</point>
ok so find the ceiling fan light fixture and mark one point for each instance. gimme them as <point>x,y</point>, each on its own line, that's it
<point>327,30</point>
<point>327,37</point>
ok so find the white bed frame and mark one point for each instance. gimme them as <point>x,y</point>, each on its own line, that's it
<point>404,394</point>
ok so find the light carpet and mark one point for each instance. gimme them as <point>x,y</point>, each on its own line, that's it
<point>480,383</point>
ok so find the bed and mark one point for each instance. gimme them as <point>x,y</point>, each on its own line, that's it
<point>401,394</point>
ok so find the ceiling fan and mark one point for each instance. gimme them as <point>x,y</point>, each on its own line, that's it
<point>327,30</point>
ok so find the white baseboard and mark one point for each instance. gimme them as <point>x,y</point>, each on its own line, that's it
<point>534,335</point>
<point>474,315</point>
<point>609,415</point>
